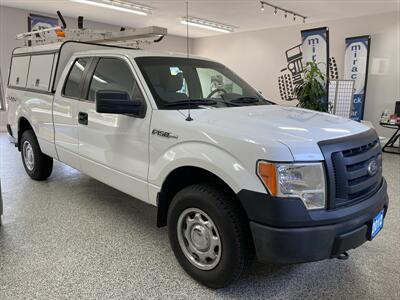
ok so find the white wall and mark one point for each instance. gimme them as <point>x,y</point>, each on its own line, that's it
<point>258,56</point>
<point>14,21</point>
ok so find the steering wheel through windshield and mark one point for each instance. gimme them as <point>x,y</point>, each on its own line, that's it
<point>216,91</point>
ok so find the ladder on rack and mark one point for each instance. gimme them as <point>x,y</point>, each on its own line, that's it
<point>126,37</point>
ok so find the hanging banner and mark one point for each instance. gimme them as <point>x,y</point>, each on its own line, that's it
<point>356,68</point>
<point>315,46</point>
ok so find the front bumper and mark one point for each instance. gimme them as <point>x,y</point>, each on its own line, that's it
<point>322,235</point>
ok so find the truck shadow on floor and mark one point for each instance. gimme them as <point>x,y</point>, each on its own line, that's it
<point>278,280</point>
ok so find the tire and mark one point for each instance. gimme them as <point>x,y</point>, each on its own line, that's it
<point>37,164</point>
<point>211,215</point>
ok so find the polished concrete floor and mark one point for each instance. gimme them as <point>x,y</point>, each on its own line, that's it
<point>74,237</point>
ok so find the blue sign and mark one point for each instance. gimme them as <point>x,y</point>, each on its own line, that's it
<point>356,68</point>
<point>37,22</point>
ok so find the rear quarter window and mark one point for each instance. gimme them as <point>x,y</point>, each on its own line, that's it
<point>74,79</point>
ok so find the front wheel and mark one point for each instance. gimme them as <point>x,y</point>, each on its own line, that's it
<point>37,164</point>
<point>209,235</point>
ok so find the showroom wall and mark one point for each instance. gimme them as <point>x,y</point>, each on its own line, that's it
<point>258,56</point>
<point>14,21</point>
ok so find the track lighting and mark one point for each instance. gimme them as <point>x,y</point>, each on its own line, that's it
<point>285,11</point>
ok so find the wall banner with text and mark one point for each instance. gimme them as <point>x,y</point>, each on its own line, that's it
<point>315,46</point>
<point>356,68</point>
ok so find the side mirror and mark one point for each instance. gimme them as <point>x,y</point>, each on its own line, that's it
<point>117,102</point>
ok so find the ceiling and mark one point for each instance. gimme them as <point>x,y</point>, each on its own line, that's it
<point>245,14</point>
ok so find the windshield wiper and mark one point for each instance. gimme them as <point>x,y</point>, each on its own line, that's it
<point>245,100</point>
<point>196,102</point>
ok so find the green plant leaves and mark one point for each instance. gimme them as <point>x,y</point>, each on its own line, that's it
<point>311,93</point>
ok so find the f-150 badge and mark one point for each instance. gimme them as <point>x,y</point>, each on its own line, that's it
<point>165,134</point>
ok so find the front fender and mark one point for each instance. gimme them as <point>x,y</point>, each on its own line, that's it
<point>208,157</point>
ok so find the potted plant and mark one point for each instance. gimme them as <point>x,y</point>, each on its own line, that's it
<point>312,92</point>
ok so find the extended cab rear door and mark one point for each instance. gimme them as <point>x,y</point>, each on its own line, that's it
<point>65,110</point>
<point>114,148</point>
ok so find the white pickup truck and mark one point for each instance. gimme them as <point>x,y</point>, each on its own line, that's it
<point>234,176</point>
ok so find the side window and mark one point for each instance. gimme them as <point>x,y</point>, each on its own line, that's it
<point>71,88</point>
<point>113,74</point>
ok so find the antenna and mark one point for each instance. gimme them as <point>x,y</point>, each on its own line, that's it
<point>189,118</point>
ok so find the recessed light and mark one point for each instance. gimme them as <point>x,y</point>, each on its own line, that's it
<point>119,5</point>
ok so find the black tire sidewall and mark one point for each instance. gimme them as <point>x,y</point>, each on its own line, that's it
<point>226,270</point>
<point>30,138</point>
<point>43,164</point>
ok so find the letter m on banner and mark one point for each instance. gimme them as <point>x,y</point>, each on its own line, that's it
<point>356,68</point>
<point>315,46</point>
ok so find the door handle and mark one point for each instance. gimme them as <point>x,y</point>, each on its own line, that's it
<point>83,118</point>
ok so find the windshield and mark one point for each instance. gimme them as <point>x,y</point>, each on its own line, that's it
<point>179,82</point>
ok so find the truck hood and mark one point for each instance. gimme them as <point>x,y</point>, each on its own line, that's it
<point>299,129</point>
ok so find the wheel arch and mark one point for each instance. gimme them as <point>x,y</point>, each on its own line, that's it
<point>182,177</point>
<point>23,125</point>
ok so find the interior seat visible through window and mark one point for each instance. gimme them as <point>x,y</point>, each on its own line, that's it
<point>168,86</point>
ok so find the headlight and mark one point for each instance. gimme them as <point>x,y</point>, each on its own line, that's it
<point>303,180</point>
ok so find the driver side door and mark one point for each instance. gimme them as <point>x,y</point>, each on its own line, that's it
<point>113,148</point>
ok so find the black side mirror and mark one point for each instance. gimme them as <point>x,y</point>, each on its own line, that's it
<point>117,102</point>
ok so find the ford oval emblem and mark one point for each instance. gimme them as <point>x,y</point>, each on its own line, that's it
<point>372,167</point>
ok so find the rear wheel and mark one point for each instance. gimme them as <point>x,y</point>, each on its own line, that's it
<point>209,234</point>
<point>37,164</point>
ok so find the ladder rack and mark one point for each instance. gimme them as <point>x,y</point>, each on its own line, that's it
<point>128,38</point>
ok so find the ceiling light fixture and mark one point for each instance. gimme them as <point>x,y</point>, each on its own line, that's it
<point>206,24</point>
<point>286,12</point>
<point>119,5</point>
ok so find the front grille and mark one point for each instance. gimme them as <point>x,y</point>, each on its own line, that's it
<point>354,168</point>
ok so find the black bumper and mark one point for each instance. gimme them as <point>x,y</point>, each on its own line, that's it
<point>311,235</point>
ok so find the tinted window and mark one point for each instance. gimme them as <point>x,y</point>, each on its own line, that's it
<point>74,78</point>
<point>113,74</point>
